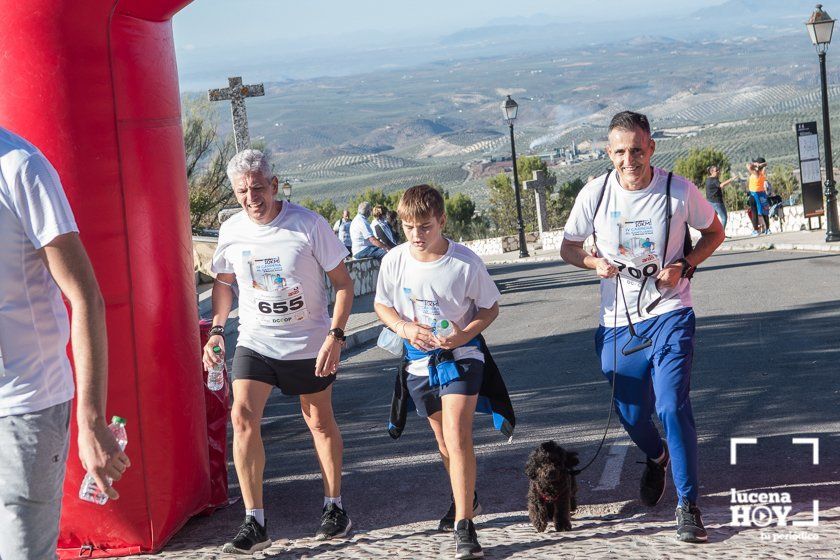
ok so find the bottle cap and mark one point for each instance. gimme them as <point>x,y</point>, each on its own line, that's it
<point>118,420</point>
<point>444,324</point>
<point>217,349</point>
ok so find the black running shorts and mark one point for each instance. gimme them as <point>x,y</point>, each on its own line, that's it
<point>292,377</point>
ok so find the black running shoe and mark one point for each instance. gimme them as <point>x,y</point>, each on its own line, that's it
<point>447,522</point>
<point>652,486</point>
<point>251,537</point>
<point>690,525</point>
<point>466,541</point>
<point>334,523</point>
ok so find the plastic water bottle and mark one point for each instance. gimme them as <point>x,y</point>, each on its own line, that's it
<point>444,328</point>
<point>216,373</point>
<point>89,491</point>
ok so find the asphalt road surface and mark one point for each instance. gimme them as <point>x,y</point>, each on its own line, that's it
<point>767,366</point>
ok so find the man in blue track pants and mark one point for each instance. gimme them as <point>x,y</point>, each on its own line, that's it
<point>638,216</point>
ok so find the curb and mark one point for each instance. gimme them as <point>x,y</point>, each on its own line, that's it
<point>363,334</point>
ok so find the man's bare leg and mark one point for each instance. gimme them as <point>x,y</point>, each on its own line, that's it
<point>249,398</point>
<point>436,423</point>
<point>318,413</point>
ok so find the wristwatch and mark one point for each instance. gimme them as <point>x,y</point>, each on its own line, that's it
<point>338,334</point>
<point>687,268</point>
<point>216,329</point>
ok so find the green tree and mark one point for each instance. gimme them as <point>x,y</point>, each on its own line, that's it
<point>561,202</point>
<point>695,165</point>
<point>460,210</point>
<point>503,199</point>
<point>326,208</point>
<point>783,182</point>
<point>207,157</point>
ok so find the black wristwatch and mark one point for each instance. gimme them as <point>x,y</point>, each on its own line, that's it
<point>216,329</point>
<point>338,334</point>
<point>687,268</point>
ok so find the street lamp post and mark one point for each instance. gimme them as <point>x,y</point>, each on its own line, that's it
<point>509,109</point>
<point>820,28</point>
<point>287,191</point>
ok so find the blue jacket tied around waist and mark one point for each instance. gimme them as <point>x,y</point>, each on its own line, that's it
<point>493,396</point>
<point>442,367</point>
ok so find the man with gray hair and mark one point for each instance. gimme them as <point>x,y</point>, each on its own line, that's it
<point>278,253</point>
<point>365,243</point>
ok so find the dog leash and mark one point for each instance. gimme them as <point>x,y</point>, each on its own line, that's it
<point>646,343</point>
<point>575,472</point>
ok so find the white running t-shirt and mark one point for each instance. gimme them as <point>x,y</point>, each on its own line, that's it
<point>630,231</point>
<point>280,270</point>
<point>35,373</point>
<point>453,287</point>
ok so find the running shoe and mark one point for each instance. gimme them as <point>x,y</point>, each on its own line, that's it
<point>447,522</point>
<point>690,525</point>
<point>251,537</point>
<point>466,541</point>
<point>334,523</point>
<point>652,485</point>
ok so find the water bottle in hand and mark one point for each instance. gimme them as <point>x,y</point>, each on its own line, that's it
<point>444,328</point>
<point>89,491</point>
<point>216,373</point>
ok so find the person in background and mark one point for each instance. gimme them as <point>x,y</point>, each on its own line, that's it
<point>342,229</point>
<point>381,228</point>
<point>714,193</point>
<point>365,243</point>
<point>758,187</point>
<point>393,221</point>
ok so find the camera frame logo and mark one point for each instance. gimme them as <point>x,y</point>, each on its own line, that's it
<point>772,509</point>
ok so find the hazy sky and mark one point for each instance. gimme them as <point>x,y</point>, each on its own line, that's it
<point>212,23</point>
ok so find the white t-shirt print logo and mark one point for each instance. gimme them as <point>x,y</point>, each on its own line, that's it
<point>636,255</point>
<point>426,311</point>
<point>278,300</point>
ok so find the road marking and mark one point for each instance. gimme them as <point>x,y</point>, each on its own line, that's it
<point>612,468</point>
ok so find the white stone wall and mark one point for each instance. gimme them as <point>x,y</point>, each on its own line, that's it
<point>738,223</point>
<point>493,245</point>
<point>364,273</point>
<point>551,240</point>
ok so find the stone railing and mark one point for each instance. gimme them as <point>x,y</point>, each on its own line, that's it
<point>551,240</point>
<point>738,222</point>
<point>493,245</point>
<point>364,273</point>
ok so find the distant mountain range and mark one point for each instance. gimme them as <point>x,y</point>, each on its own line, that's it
<point>201,68</point>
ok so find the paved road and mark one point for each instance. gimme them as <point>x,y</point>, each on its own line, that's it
<point>767,366</point>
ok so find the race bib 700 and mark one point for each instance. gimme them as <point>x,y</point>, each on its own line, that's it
<point>638,268</point>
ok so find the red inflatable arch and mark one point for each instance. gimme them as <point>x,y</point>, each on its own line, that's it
<point>94,84</point>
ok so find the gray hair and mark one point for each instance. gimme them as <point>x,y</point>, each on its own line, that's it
<point>364,208</point>
<point>248,161</point>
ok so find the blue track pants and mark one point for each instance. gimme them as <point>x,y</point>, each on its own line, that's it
<point>657,377</point>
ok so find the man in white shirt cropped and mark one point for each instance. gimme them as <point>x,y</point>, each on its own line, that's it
<point>41,257</point>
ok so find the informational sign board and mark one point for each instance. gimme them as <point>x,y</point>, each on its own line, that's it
<point>808,144</point>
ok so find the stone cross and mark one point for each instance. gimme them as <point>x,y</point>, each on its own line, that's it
<point>538,184</point>
<point>236,94</point>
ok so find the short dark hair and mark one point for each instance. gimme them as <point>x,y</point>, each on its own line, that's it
<point>628,120</point>
<point>420,202</point>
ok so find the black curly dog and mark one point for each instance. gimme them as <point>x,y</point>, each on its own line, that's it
<point>552,493</point>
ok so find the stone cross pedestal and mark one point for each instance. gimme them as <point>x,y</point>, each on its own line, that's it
<point>236,94</point>
<point>538,184</point>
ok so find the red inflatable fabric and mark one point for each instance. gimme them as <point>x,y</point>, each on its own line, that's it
<point>93,83</point>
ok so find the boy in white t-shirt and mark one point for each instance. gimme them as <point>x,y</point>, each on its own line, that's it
<point>426,288</point>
